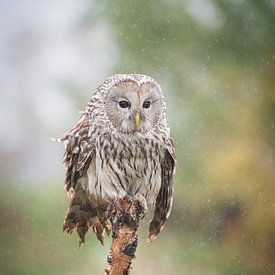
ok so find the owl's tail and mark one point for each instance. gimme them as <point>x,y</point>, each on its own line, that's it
<point>84,214</point>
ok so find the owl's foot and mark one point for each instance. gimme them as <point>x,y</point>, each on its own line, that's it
<point>118,205</point>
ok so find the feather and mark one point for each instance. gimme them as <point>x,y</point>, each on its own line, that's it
<point>164,199</point>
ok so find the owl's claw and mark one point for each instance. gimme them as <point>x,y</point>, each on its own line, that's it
<point>70,222</point>
<point>81,231</point>
<point>79,222</point>
<point>98,228</point>
<point>82,221</point>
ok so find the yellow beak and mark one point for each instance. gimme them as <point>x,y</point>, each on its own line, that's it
<point>137,118</point>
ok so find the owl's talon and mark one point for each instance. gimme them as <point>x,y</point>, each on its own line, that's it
<point>142,205</point>
<point>68,226</point>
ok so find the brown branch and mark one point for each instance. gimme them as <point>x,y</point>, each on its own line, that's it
<point>125,221</point>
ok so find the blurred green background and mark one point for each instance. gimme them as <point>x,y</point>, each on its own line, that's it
<point>216,63</point>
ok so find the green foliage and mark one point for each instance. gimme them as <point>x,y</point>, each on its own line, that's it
<point>32,241</point>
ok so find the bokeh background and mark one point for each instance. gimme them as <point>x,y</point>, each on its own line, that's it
<point>216,63</point>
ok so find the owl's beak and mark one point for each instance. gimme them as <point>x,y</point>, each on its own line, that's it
<point>137,119</point>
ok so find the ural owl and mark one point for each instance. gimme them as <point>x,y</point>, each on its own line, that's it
<point>121,146</point>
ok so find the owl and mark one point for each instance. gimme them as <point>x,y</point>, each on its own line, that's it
<point>121,146</point>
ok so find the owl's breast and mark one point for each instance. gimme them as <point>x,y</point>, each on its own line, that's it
<point>127,167</point>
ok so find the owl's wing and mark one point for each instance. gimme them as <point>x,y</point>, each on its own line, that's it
<point>165,197</point>
<point>85,211</point>
<point>78,153</point>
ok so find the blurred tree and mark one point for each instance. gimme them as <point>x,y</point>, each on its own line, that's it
<point>216,61</point>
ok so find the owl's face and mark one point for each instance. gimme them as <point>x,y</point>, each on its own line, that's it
<point>132,107</point>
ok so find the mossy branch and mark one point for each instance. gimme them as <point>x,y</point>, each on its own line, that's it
<point>124,217</point>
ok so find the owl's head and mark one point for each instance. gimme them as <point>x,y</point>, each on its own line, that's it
<point>134,103</point>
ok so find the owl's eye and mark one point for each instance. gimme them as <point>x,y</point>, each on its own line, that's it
<point>124,104</point>
<point>146,104</point>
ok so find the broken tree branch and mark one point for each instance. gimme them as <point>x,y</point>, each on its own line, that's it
<point>124,217</point>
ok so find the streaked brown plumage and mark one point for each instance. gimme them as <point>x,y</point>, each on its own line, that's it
<point>121,146</point>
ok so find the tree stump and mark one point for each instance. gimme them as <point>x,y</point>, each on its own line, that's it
<point>124,217</point>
